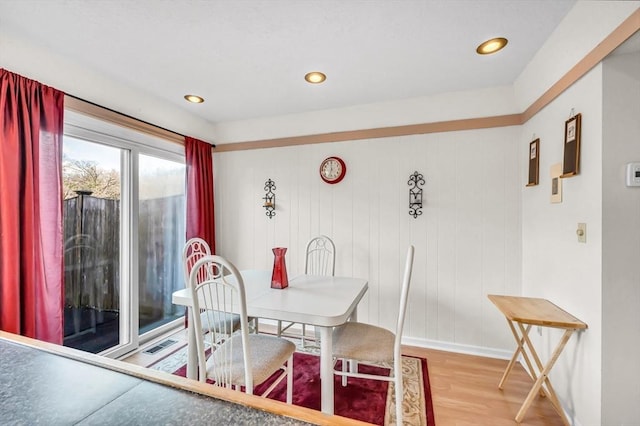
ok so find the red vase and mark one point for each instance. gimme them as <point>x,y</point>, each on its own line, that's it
<point>279,276</point>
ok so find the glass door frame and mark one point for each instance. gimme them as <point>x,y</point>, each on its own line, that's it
<point>132,144</point>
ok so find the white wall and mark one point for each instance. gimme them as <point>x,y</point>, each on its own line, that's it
<point>621,243</point>
<point>554,265</point>
<point>467,239</point>
<point>427,109</point>
<point>585,26</point>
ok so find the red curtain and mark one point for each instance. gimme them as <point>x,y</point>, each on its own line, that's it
<point>31,247</point>
<point>200,218</point>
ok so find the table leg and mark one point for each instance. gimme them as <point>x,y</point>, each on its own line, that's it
<point>353,363</point>
<point>192,353</point>
<point>326,369</point>
<point>527,342</point>
<point>543,378</point>
<point>521,339</point>
<point>514,358</point>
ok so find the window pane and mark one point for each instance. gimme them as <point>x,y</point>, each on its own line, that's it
<point>91,184</point>
<point>161,225</point>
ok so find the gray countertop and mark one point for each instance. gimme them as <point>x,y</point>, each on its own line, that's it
<point>37,387</point>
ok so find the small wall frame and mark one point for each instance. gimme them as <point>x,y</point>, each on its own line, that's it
<point>572,133</point>
<point>556,183</point>
<point>534,162</point>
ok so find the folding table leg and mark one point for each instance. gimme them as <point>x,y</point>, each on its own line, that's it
<point>543,378</point>
<point>519,350</point>
<point>549,390</point>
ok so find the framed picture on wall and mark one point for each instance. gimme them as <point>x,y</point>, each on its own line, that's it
<point>534,162</point>
<point>556,183</point>
<point>571,160</point>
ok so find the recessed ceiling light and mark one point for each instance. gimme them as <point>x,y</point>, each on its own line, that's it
<point>194,99</point>
<point>315,77</point>
<point>492,46</point>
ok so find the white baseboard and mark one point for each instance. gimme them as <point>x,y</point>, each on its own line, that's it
<point>458,348</point>
<point>435,344</point>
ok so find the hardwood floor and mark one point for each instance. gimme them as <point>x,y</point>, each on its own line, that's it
<point>464,388</point>
<point>464,391</point>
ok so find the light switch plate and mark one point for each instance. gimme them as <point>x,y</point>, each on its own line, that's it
<point>633,174</point>
<point>581,232</point>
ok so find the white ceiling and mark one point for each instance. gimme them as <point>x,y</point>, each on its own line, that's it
<point>247,58</point>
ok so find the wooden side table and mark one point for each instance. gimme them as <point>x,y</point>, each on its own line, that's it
<point>522,313</point>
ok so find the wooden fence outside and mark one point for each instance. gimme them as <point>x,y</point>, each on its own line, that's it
<point>92,254</point>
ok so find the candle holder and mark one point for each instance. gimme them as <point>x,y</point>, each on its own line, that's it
<point>416,180</point>
<point>270,198</point>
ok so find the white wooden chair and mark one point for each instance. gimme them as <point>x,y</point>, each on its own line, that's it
<point>320,256</point>
<point>369,344</point>
<point>244,359</point>
<point>194,250</point>
<point>320,259</point>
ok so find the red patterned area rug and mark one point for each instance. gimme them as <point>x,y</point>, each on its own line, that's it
<point>367,400</point>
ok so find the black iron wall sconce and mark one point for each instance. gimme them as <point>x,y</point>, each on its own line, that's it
<point>416,180</point>
<point>270,198</point>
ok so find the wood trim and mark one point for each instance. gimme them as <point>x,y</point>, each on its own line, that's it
<point>259,403</point>
<point>380,132</point>
<point>625,30</point>
<point>96,111</point>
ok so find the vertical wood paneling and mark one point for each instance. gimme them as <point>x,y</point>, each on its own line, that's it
<point>386,179</point>
<point>375,199</point>
<point>446,203</point>
<point>360,175</point>
<point>416,233</point>
<point>468,235</point>
<point>467,240</point>
<point>432,215</point>
<point>494,232</point>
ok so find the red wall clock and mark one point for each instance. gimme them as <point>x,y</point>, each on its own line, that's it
<point>332,170</point>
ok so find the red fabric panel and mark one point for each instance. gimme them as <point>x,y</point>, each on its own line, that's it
<point>200,217</point>
<point>31,247</point>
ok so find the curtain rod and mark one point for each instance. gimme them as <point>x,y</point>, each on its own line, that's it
<point>128,116</point>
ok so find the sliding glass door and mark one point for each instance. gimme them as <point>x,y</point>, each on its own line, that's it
<point>92,182</point>
<point>124,227</point>
<point>161,235</point>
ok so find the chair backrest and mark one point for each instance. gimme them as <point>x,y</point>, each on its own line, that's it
<point>217,291</point>
<point>404,295</point>
<point>194,250</point>
<point>321,256</point>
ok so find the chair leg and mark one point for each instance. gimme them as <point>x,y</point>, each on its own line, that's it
<point>304,332</point>
<point>279,331</point>
<point>290,380</point>
<point>344,370</point>
<point>399,390</point>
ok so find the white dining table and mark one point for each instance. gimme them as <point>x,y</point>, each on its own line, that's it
<point>322,301</point>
